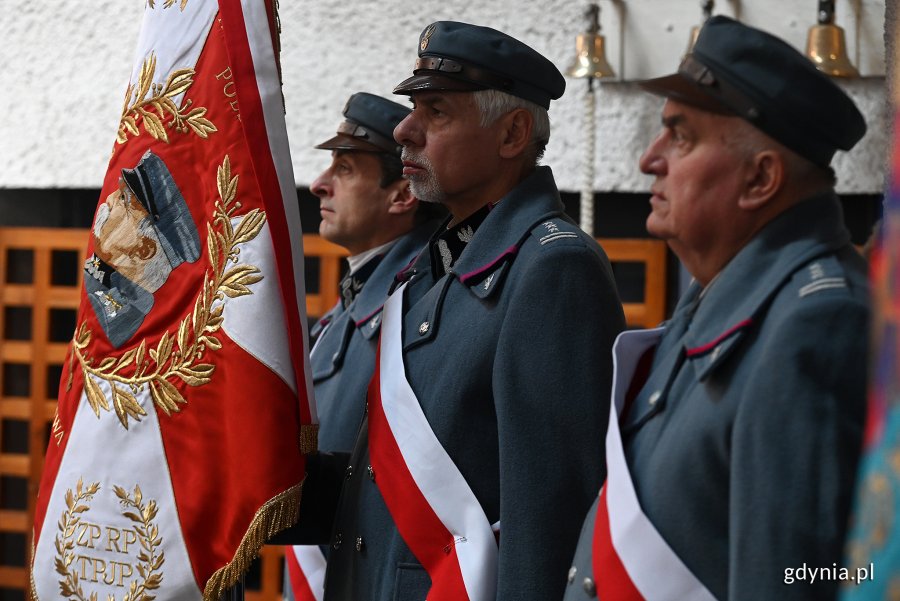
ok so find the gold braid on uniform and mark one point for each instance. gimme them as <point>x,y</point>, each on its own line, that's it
<point>278,513</point>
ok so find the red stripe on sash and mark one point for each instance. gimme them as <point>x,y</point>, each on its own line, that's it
<point>299,584</point>
<point>421,529</point>
<point>611,577</point>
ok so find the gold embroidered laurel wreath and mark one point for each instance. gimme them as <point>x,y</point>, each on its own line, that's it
<point>178,355</point>
<point>167,4</point>
<point>153,109</point>
<point>150,559</point>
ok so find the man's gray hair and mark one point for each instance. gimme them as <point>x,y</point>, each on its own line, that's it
<point>493,104</point>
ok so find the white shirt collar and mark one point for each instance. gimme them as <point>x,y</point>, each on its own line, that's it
<point>357,261</point>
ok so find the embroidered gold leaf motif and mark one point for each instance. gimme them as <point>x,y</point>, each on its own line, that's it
<point>95,397</point>
<point>178,355</point>
<point>151,557</point>
<point>139,109</point>
<point>168,4</point>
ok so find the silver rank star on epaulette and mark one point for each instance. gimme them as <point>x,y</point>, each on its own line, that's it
<point>554,233</point>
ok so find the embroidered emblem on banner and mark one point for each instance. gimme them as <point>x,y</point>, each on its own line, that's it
<point>181,355</point>
<point>84,549</point>
<point>153,109</point>
<point>168,4</point>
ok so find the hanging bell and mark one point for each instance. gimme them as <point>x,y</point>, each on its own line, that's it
<point>590,60</point>
<point>825,44</point>
<point>707,7</point>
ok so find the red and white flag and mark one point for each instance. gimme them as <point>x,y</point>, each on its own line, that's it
<point>185,406</point>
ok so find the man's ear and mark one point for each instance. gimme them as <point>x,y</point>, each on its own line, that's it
<point>400,198</point>
<point>516,133</point>
<point>766,178</point>
<point>145,249</point>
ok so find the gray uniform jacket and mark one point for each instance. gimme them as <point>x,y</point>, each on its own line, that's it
<point>344,355</point>
<point>120,307</point>
<point>743,443</point>
<point>512,370</point>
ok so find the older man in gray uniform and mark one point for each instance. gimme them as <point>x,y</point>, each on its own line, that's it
<point>367,208</point>
<point>494,362</point>
<point>736,460</point>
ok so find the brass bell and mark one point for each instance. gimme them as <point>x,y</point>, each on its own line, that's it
<point>825,44</point>
<point>590,60</point>
<point>707,7</point>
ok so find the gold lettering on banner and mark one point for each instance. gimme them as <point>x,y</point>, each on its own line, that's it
<point>78,537</point>
<point>57,431</point>
<point>152,109</point>
<point>179,355</point>
<point>229,92</point>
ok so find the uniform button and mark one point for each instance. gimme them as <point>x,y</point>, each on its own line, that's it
<point>654,397</point>
<point>371,473</point>
<point>337,541</point>
<point>572,571</point>
<point>360,543</point>
<point>423,328</point>
<point>348,473</point>
<point>590,588</point>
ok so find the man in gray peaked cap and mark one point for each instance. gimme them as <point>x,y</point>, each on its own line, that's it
<point>731,466</point>
<point>477,458</point>
<point>141,234</point>
<point>367,208</point>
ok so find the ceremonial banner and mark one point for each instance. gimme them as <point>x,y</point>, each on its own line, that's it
<point>185,404</point>
<point>873,550</point>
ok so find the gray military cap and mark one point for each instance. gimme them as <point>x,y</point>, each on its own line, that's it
<point>460,56</point>
<point>368,125</point>
<point>739,70</point>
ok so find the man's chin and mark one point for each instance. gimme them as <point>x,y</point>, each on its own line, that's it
<point>426,193</point>
<point>656,229</point>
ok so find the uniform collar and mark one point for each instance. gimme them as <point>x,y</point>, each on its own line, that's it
<point>352,283</point>
<point>809,229</point>
<point>505,227</point>
<point>448,243</point>
<point>370,300</point>
<point>357,262</point>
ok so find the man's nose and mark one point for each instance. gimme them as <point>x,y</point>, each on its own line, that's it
<point>407,132</point>
<point>321,187</point>
<point>652,161</point>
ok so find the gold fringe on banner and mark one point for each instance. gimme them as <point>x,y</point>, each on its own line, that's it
<point>280,512</point>
<point>309,438</point>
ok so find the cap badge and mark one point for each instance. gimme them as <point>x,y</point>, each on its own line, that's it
<point>426,36</point>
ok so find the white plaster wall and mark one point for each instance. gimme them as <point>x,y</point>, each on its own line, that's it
<point>65,64</point>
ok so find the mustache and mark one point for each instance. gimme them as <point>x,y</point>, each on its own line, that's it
<point>412,157</point>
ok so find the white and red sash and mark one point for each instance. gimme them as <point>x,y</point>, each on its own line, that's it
<point>631,560</point>
<point>306,563</point>
<point>435,510</point>
<point>306,572</point>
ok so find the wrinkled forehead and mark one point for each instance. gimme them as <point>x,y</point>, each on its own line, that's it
<point>675,113</point>
<point>455,97</point>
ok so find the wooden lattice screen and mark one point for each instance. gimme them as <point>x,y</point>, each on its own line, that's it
<point>40,283</point>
